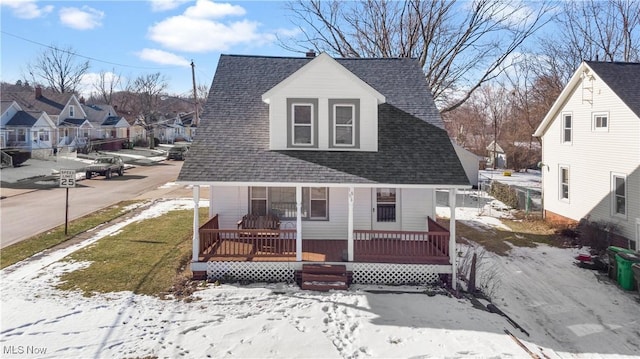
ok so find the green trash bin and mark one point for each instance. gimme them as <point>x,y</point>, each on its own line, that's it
<point>625,273</point>
<point>613,268</point>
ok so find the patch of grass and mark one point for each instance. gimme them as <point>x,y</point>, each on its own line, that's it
<point>146,257</point>
<point>526,232</point>
<point>25,249</point>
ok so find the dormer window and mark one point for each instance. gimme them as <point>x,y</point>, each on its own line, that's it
<point>344,119</point>
<point>72,111</point>
<point>302,117</point>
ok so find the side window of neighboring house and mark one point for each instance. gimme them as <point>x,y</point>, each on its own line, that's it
<point>44,136</point>
<point>344,121</point>
<point>564,183</point>
<point>601,121</point>
<point>567,125</point>
<point>302,123</point>
<point>72,111</point>
<point>619,194</point>
<point>21,135</point>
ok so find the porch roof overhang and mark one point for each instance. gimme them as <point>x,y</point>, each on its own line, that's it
<point>323,184</point>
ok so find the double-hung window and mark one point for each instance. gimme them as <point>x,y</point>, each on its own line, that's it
<point>72,111</point>
<point>302,119</point>
<point>344,120</point>
<point>564,183</point>
<point>281,201</point>
<point>567,125</point>
<point>619,194</point>
<point>600,121</point>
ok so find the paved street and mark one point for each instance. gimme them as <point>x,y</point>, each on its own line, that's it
<point>30,207</point>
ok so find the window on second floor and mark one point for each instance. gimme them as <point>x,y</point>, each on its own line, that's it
<point>564,183</point>
<point>72,111</point>
<point>567,125</point>
<point>344,121</point>
<point>619,194</point>
<point>600,122</point>
<point>302,120</point>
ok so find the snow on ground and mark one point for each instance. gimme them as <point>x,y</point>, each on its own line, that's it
<point>567,311</point>
<point>531,179</point>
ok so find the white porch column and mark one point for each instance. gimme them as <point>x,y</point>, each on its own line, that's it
<point>350,226</point>
<point>211,202</point>
<point>452,237</point>
<point>299,223</point>
<point>196,223</point>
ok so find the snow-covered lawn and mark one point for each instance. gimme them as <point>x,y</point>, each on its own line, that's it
<point>567,311</point>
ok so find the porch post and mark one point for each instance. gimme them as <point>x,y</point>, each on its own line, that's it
<point>196,223</point>
<point>211,201</point>
<point>452,237</point>
<point>299,223</point>
<point>350,226</point>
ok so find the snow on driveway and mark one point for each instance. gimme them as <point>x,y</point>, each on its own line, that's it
<point>566,310</point>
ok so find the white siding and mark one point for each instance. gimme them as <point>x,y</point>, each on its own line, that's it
<point>417,205</point>
<point>230,203</point>
<point>592,156</point>
<point>324,81</point>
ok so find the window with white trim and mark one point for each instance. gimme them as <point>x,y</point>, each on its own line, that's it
<point>21,135</point>
<point>344,116</point>
<point>281,201</point>
<point>302,123</point>
<point>72,111</point>
<point>564,183</point>
<point>619,194</point>
<point>567,125</point>
<point>601,121</point>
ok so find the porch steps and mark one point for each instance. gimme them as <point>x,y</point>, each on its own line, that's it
<point>324,277</point>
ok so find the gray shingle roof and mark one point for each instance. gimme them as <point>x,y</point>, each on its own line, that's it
<point>24,118</point>
<point>51,103</point>
<point>232,143</point>
<point>623,78</point>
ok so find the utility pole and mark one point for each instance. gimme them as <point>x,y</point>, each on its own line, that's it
<point>195,93</point>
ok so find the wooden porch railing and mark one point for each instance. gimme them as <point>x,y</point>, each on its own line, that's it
<point>400,246</point>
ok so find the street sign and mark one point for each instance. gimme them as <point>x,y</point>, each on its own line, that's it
<point>67,178</point>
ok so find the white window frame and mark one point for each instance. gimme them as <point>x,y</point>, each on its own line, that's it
<point>311,124</point>
<point>306,202</point>
<point>561,183</point>
<point>614,195</point>
<point>565,128</point>
<point>72,111</point>
<point>595,117</point>
<point>352,125</point>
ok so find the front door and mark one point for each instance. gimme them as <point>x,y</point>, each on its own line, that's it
<point>386,209</point>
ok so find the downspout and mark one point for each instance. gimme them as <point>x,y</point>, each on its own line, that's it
<point>196,224</point>
<point>452,237</point>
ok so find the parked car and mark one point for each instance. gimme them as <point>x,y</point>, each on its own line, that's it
<point>178,153</point>
<point>105,166</point>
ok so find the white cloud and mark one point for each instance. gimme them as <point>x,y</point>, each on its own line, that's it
<point>85,18</point>
<point>208,9</point>
<point>164,5</point>
<point>162,57</point>
<point>26,9</point>
<point>201,35</point>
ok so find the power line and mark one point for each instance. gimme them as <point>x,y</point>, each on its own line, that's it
<point>88,57</point>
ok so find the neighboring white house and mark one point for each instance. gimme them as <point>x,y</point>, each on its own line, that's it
<point>471,163</point>
<point>347,153</point>
<point>591,149</point>
<point>497,154</point>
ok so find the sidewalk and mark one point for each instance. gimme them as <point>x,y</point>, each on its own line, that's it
<point>36,174</point>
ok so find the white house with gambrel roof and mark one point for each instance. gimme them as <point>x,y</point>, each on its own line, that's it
<point>320,161</point>
<point>591,149</point>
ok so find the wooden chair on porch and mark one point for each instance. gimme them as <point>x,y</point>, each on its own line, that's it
<point>261,230</point>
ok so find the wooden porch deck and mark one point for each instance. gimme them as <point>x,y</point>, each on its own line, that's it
<point>266,245</point>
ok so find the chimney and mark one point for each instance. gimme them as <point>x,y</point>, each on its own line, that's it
<point>311,54</point>
<point>38,92</point>
<point>115,107</point>
<point>82,100</point>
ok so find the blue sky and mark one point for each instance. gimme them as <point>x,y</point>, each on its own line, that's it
<point>142,37</point>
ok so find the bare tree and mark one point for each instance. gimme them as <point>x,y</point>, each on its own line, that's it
<point>594,30</point>
<point>106,84</point>
<point>59,68</point>
<point>460,46</point>
<point>149,89</point>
